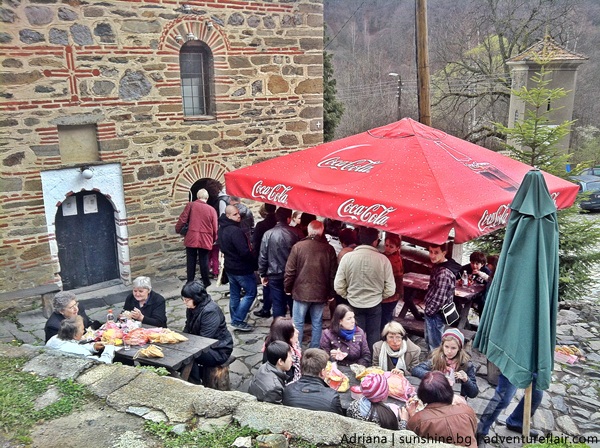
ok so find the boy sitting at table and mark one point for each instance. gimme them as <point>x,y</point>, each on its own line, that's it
<point>480,274</point>
<point>267,384</point>
<point>477,269</point>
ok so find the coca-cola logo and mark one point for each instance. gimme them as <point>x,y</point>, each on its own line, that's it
<point>376,214</point>
<point>359,166</point>
<point>347,164</point>
<point>274,193</point>
<point>490,221</point>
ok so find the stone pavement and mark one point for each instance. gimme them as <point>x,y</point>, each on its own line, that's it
<point>570,407</point>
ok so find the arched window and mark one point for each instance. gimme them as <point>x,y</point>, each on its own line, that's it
<point>196,66</point>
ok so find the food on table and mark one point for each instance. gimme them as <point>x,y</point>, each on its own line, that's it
<point>89,334</point>
<point>414,400</point>
<point>362,371</point>
<point>165,336</point>
<point>152,351</point>
<point>356,392</point>
<point>335,378</point>
<point>112,336</point>
<point>400,388</point>
<point>137,336</point>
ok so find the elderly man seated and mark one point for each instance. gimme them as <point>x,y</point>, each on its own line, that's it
<point>67,340</point>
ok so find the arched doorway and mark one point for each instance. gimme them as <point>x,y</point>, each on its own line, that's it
<point>213,187</point>
<point>87,240</point>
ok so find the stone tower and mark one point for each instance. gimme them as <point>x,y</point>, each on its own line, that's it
<point>562,66</point>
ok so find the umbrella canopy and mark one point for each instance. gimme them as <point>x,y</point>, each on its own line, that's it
<point>517,330</point>
<point>405,177</point>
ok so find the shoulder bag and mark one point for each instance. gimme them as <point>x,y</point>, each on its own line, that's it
<point>450,313</point>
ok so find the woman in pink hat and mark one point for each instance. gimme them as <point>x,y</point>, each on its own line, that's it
<point>371,406</point>
<point>453,361</point>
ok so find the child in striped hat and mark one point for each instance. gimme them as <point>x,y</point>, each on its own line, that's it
<point>371,406</point>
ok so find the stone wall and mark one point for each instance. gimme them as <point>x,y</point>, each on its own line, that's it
<point>131,391</point>
<point>115,66</point>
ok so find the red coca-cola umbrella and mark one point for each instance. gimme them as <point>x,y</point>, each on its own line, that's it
<point>405,177</point>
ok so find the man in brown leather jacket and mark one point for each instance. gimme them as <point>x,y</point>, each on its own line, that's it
<point>309,274</point>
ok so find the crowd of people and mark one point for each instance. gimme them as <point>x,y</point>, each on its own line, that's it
<point>305,265</point>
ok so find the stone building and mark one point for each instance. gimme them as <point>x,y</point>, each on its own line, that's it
<point>114,113</point>
<point>561,65</point>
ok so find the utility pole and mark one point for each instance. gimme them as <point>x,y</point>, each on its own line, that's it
<point>399,107</point>
<point>423,99</point>
<point>399,97</point>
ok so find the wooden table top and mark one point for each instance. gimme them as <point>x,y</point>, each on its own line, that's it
<point>176,355</point>
<point>421,281</point>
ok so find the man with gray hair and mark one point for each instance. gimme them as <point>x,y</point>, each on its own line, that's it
<point>309,274</point>
<point>240,264</point>
<point>201,234</point>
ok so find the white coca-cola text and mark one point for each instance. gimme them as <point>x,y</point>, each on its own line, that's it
<point>275,193</point>
<point>359,166</point>
<point>494,220</point>
<point>371,214</point>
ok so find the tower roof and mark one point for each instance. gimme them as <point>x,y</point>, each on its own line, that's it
<point>547,49</point>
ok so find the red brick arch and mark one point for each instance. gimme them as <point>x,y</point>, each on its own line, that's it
<point>214,37</point>
<point>193,172</point>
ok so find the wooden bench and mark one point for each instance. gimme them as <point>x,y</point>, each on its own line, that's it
<point>412,326</point>
<point>217,377</point>
<point>45,292</point>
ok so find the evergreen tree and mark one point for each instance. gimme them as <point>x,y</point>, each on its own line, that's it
<point>534,141</point>
<point>332,108</point>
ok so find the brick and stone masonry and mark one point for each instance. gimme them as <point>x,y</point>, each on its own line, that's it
<point>113,67</point>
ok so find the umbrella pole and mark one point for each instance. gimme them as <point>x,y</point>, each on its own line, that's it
<point>527,411</point>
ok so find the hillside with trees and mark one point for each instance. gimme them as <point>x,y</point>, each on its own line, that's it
<point>469,44</point>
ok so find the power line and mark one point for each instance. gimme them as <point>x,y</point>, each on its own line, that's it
<point>336,34</point>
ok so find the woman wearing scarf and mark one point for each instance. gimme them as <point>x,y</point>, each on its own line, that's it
<point>395,352</point>
<point>371,406</point>
<point>345,342</point>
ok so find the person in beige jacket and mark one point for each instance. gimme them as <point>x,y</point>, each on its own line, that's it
<point>365,278</point>
<point>395,352</point>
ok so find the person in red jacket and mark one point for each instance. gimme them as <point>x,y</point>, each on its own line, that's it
<point>201,235</point>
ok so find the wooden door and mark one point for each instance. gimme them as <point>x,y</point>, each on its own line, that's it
<point>87,240</point>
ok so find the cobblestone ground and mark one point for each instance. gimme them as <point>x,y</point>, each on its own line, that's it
<point>570,407</point>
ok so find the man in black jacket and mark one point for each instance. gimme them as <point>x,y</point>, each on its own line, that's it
<point>240,264</point>
<point>259,231</point>
<point>311,391</point>
<point>274,251</point>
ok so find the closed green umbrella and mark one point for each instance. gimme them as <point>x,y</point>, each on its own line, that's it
<point>517,330</point>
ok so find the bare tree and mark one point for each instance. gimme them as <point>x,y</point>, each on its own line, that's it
<point>472,83</point>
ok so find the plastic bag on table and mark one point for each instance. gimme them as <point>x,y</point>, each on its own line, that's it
<point>400,387</point>
<point>335,378</point>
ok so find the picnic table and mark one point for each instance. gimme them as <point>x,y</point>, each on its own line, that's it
<point>463,296</point>
<point>178,359</point>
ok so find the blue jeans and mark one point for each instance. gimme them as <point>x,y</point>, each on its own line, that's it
<point>239,307</point>
<point>434,328</point>
<point>316,320</point>
<point>505,392</point>
<point>279,298</point>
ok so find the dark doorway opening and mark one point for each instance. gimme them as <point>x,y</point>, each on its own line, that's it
<point>213,187</point>
<point>87,240</point>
